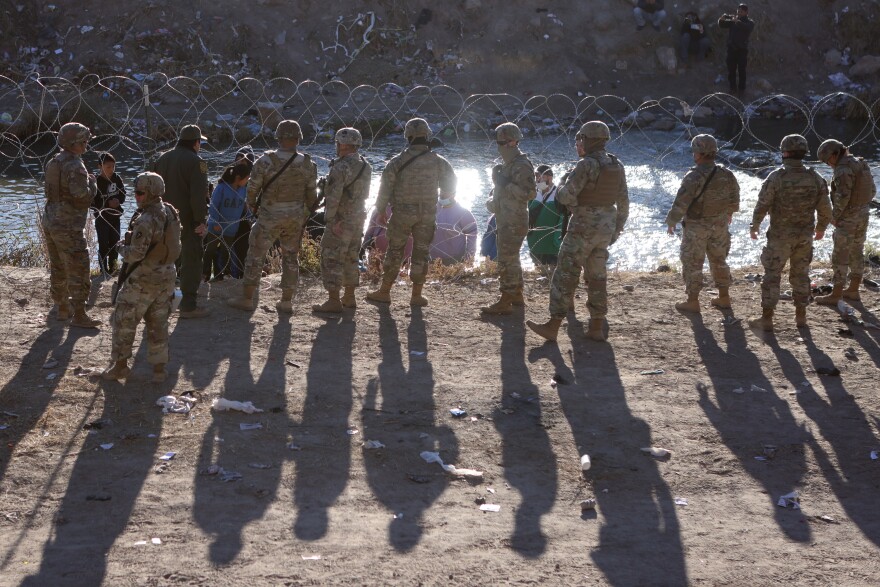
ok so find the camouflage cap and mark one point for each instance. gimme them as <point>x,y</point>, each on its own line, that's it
<point>704,144</point>
<point>349,136</point>
<point>417,127</point>
<point>288,130</point>
<point>794,143</point>
<point>191,132</point>
<point>508,131</point>
<point>150,183</point>
<point>829,148</point>
<point>595,129</point>
<point>72,133</point>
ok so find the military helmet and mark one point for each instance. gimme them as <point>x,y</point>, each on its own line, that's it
<point>288,130</point>
<point>150,183</point>
<point>508,131</point>
<point>72,133</point>
<point>349,136</point>
<point>794,143</point>
<point>416,127</point>
<point>595,129</point>
<point>829,148</point>
<point>704,144</point>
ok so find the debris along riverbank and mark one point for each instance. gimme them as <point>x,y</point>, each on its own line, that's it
<point>299,499</point>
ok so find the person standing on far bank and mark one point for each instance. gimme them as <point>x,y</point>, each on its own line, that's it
<point>740,28</point>
<point>185,175</point>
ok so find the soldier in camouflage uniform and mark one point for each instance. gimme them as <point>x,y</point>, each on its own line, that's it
<point>794,195</point>
<point>69,192</point>
<point>282,198</point>
<point>598,198</point>
<point>146,294</point>
<point>410,183</point>
<point>707,198</point>
<point>345,196</point>
<point>852,190</point>
<point>514,187</point>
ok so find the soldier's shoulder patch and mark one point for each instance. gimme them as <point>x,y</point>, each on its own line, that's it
<point>203,167</point>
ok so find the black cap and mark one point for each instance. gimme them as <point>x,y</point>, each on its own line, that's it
<point>744,7</point>
<point>544,170</point>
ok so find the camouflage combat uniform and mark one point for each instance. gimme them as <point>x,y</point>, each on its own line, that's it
<point>852,190</point>
<point>69,193</point>
<point>794,195</point>
<point>282,213</point>
<point>706,223</point>
<point>345,202</point>
<point>598,199</point>
<point>514,189</point>
<point>412,194</point>
<point>148,291</point>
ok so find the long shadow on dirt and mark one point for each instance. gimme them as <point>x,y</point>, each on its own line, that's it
<point>752,418</point>
<point>528,458</point>
<point>97,506</point>
<point>323,466</point>
<point>842,424</point>
<point>398,409</point>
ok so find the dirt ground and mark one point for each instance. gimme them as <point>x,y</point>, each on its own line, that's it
<point>330,512</point>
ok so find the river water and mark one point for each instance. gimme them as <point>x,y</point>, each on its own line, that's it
<point>655,163</point>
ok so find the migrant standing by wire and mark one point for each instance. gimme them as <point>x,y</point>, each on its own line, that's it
<point>227,211</point>
<point>410,183</point>
<point>705,204</point>
<point>597,196</point>
<point>147,277</point>
<point>281,193</point>
<point>546,221</point>
<point>107,208</point>
<point>852,190</point>
<point>70,189</point>
<point>794,195</point>
<point>514,187</point>
<point>455,240</point>
<point>739,30</point>
<point>186,183</point>
<point>345,196</point>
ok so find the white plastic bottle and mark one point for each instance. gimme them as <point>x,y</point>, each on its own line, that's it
<point>585,463</point>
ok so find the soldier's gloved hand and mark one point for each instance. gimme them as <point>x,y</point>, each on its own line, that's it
<point>498,177</point>
<point>127,239</point>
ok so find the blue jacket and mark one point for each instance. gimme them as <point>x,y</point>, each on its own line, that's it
<point>227,208</point>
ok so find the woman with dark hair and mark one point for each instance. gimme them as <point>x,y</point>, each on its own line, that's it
<point>226,212</point>
<point>107,208</point>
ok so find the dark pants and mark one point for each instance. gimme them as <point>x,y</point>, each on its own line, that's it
<point>107,229</point>
<point>189,266</point>
<point>736,63</point>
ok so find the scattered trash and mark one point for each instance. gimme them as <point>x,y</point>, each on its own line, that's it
<point>490,507</point>
<point>221,405</point>
<point>292,446</point>
<point>175,405</point>
<point>653,372</point>
<point>11,414</point>
<point>3,426</point>
<point>480,500</point>
<point>559,379</point>
<point>398,516</point>
<point>51,376</point>
<point>156,541</point>
<point>875,455</point>
<point>259,466</point>
<point>98,497</point>
<point>657,452</point>
<point>96,424</point>
<point>661,321</point>
<point>681,501</point>
<point>588,504</point>
<point>850,353</point>
<point>293,364</point>
<point>847,311</point>
<point>81,371</point>
<point>629,288</point>
<point>418,353</point>
<point>229,476</point>
<point>211,470</point>
<point>50,364</point>
<point>351,431</point>
<point>434,457</point>
<point>739,390</point>
<point>585,463</point>
<point>373,444</point>
<point>458,412</point>
<point>490,490</point>
<point>168,456</point>
<point>754,277</point>
<point>760,458</point>
<point>756,388</point>
<point>845,332</point>
<point>107,446</point>
<point>250,426</point>
<point>790,499</point>
<point>826,518</point>
<point>140,543</point>
<point>830,371</point>
<point>311,557</point>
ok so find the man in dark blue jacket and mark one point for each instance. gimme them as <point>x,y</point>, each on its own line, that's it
<point>740,28</point>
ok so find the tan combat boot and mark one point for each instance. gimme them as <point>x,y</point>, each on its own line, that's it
<point>765,322</point>
<point>119,370</point>
<point>417,298</point>
<point>503,306</point>
<point>723,299</point>
<point>63,311</point>
<point>81,319</point>
<point>595,330</point>
<point>691,305</point>
<point>517,299</point>
<point>285,305</point>
<point>333,305</point>
<point>548,330</point>
<point>832,298</point>
<point>246,301</point>
<point>348,300</point>
<point>852,292</point>
<point>159,373</point>
<point>800,316</point>
<point>383,294</point>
